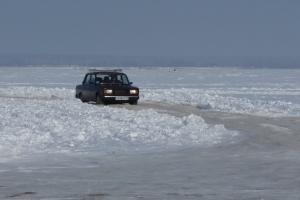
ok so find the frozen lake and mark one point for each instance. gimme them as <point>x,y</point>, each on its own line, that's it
<point>195,134</point>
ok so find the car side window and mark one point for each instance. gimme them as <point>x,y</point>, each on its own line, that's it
<point>124,79</point>
<point>92,79</point>
<point>87,79</point>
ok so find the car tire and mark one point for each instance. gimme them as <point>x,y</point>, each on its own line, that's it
<point>98,99</point>
<point>133,102</point>
<point>81,98</point>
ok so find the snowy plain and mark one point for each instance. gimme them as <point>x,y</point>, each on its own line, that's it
<point>196,134</point>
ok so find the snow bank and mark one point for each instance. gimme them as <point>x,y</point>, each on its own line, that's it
<point>37,92</point>
<point>203,100</point>
<point>62,125</point>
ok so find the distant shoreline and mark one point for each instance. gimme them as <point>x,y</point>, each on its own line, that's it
<point>16,60</point>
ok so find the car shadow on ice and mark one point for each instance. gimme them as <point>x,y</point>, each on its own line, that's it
<point>204,106</point>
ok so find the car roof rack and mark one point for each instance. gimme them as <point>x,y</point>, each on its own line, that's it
<point>105,70</point>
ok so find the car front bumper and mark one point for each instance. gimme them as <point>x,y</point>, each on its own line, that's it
<point>120,98</point>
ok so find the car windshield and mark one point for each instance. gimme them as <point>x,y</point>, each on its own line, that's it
<point>111,79</point>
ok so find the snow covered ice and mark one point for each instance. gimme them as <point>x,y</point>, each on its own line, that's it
<point>195,134</point>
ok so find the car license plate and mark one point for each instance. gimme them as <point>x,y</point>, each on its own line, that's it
<point>121,98</point>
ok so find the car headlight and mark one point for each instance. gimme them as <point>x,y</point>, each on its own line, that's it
<point>108,91</point>
<point>134,92</point>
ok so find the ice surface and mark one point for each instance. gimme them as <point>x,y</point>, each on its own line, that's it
<point>196,133</point>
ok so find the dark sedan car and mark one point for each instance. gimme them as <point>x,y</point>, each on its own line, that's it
<point>107,86</point>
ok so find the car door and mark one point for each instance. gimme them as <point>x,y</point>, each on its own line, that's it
<point>92,88</point>
<point>85,88</point>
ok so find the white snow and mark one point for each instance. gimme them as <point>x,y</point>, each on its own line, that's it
<point>40,112</point>
<point>68,125</point>
<point>41,118</point>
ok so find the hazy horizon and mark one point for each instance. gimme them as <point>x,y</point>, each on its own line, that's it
<point>283,62</point>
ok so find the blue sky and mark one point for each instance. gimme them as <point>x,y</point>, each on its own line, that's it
<point>151,28</point>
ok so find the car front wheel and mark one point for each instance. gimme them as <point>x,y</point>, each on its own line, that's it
<point>133,102</point>
<point>98,99</point>
<point>81,98</point>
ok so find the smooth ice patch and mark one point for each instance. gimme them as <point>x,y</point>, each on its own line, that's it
<point>278,128</point>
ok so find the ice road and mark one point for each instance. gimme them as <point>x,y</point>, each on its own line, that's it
<point>195,134</point>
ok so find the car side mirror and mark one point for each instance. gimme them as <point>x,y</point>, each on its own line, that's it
<point>130,83</point>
